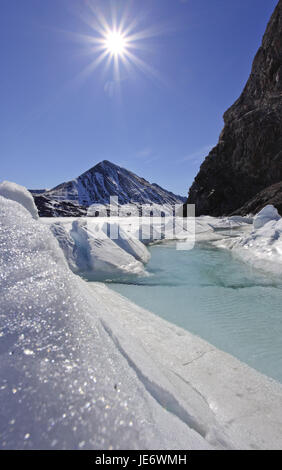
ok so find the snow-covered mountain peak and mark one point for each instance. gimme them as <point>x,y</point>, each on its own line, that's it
<point>106,179</point>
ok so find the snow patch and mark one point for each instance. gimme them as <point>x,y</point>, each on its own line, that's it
<point>83,367</point>
<point>267,214</point>
<point>64,384</point>
<point>228,403</point>
<point>20,194</point>
<point>89,248</point>
<point>262,247</point>
<point>97,253</point>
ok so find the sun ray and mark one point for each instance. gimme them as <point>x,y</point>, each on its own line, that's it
<point>148,70</point>
<point>117,42</point>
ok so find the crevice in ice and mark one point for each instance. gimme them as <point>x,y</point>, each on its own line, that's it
<point>193,388</point>
<point>215,434</point>
<point>163,397</point>
<point>197,358</point>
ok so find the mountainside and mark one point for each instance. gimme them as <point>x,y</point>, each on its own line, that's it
<point>271,195</point>
<point>48,207</point>
<point>96,186</point>
<point>248,157</point>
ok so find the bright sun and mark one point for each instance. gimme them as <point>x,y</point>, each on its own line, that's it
<point>118,44</point>
<point>115,43</point>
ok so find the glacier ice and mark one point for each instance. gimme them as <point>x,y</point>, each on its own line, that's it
<point>231,404</point>
<point>98,253</point>
<point>20,194</point>
<point>93,246</point>
<point>261,245</point>
<point>267,214</point>
<point>126,241</point>
<point>82,367</point>
<point>63,381</point>
<point>67,245</point>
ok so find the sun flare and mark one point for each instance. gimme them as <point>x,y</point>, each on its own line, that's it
<point>118,42</point>
<point>115,43</point>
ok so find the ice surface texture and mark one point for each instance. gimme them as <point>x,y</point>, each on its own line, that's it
<point>89,249</point>
<point>267,214</point>
<point>18,193</point>
<point>261,246</point>
<point>257,240</point>
<point>64,383</point>
<point>85,368</point>
<point>226,401</point>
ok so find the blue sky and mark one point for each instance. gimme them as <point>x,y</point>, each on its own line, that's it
<point>158,121</point>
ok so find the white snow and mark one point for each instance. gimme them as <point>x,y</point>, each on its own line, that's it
<point>67,244</point>
<point>132,245</point>
<point>20,194</point>
<point>89,249</point>
<point>231,404</point>
<point>82,367</point>
<point>256,240</point>
<point>99,253</point>
<point>267,214</point>
<point>228,223</point>
<point>262,246</point>
<point>106,179</point>
<point>64,383</point>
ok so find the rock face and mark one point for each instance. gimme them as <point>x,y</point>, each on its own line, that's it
<point>50,208</point>
<point>271,195</point>
<point>248,157</point>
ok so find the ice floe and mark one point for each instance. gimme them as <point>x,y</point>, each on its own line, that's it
<point>230,404</point>
<point>64,383</point>
<point>262,246</point>
<point>82,367</point>
<point>93,246</point>
<point>20,194</point>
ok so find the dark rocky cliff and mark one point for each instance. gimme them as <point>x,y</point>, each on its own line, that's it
<point>271,195</point>
<point>248,156</point>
